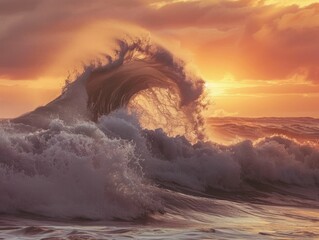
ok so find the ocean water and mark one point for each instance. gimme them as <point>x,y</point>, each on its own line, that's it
<point>124,153</point>
<point>72,187</point>
<point>232,129</point>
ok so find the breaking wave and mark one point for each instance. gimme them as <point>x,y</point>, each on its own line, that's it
<point>126,137</point>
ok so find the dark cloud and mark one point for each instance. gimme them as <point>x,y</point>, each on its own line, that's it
<point>17,6</point>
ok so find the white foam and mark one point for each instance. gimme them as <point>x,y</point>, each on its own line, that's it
<point>72,171</point>
<point>109,169</point>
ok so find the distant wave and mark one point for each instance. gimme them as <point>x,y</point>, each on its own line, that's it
<point>126,138</point>
<point>303,129</point>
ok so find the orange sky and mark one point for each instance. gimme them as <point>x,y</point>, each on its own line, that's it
<point>259,58</point>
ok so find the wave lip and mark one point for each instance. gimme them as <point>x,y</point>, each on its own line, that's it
<point>139,75</point>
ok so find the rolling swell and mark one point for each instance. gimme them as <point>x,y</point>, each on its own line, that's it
<point>91,154</point>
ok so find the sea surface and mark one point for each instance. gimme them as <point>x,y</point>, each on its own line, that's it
<point>260,207</point>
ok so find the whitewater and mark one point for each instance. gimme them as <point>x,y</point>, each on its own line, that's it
<point>125,153</point>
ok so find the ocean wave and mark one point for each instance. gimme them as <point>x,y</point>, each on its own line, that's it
<point>124,133</point>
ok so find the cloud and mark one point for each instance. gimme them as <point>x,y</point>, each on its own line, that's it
<point>33,39</point>
<point>202,14</point>
<point>281,45</point>
<point>16,6</point>
<point>247,38</point>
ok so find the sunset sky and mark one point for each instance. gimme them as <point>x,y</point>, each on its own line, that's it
<point>258,57</point>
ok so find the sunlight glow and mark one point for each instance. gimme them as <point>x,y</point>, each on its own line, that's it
<point>301,3</point>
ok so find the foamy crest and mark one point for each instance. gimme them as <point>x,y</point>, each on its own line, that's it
<point>110,169</point>
<point>278,159</point>
<point>205,165</point>
<point>72,171</point>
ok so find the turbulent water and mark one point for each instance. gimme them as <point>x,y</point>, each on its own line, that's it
<point>123,153</point>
